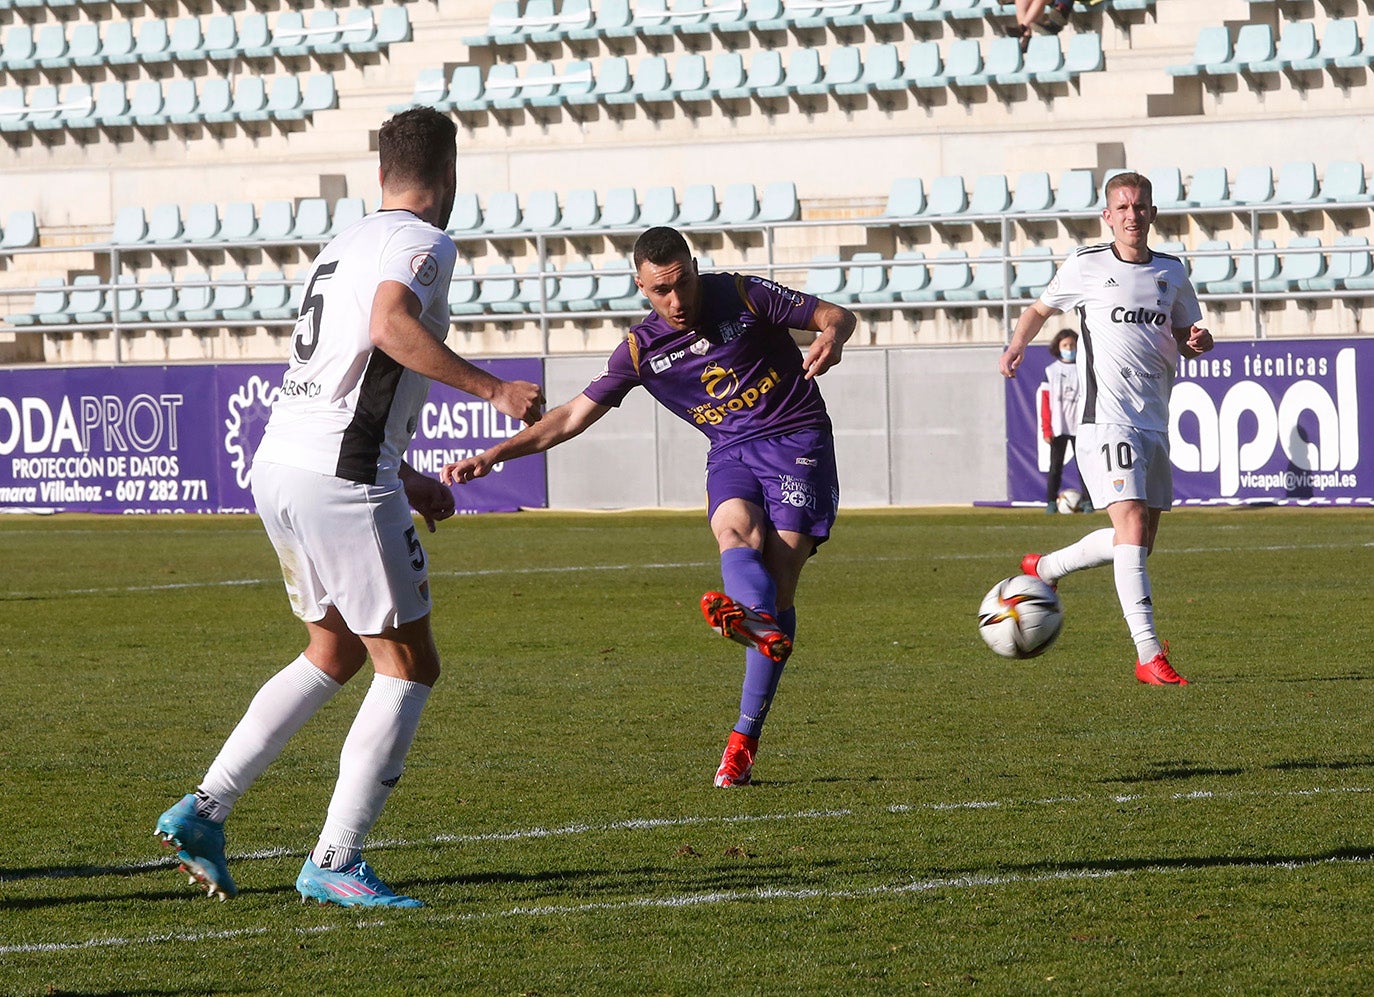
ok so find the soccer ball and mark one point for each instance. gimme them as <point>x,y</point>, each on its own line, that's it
<point>1020,617</point>
<point>1069,500</point>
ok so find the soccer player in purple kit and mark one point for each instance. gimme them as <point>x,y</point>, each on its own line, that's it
<point>717,352</point>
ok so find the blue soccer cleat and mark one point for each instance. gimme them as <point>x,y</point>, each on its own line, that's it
<point>199,844</point>
<point>356,886</point>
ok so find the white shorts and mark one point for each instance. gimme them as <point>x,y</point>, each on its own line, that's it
<point>1121,462</point>
<point>343,544</point>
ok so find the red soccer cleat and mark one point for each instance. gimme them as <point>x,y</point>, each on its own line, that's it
<point>737,763</point>
<point>1030,565</point>
<point>746,626</point>
<point>1158,671</point>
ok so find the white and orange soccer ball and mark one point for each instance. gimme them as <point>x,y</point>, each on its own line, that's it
<point>1020,617</point>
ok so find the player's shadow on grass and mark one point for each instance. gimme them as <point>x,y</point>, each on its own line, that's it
<point>1187,862</point>
<point>1175,772</point>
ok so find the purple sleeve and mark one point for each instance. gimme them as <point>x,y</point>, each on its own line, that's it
<point>618,376</point>
<point>777,304</point>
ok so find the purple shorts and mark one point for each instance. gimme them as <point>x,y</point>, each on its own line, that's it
<point>791,477</point>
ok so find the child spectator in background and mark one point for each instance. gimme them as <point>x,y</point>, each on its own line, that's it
<point>1059,412</point>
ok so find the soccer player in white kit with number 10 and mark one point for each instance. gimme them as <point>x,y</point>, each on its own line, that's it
<point>1139,314</point>
<point>334,492</point>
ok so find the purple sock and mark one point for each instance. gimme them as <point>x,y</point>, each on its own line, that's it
<point>747,581</point>
<point>761,677</point>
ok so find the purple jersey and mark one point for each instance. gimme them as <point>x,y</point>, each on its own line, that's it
<point>736,376</point>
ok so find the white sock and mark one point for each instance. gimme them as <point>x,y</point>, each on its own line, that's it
<point>370,765</point>
<point>1092,551</point>
<point>282,706</point>
<point>1133,589</point>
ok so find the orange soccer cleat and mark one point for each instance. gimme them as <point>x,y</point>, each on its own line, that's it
<point>737,763</point>
<point>746,626</point>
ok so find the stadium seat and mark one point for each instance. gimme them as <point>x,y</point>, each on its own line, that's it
<point>803,69</point>
<point>824,276</point>
<point>924,66</point>
<point>111,105</point>
<point>221,39</point>
<point>947,196</point>
<point>240,222</point>
<point>117,43</point>
<point>1033,271</point>
<point>214,103</point>
<point>658,207</point>
<point>1083,55</point>
<point>347,211</point>
<point>843,68</point>
<point>250,99</point>
<point>621,209</point>
<point>502,212</point>
<point>319,94</point>
<point>650,78</point>
<point>1349,260</point>
<point>1044,57</point>
<point>537,294</point>
<point>1250,268</point>
<point>466,216</point>
<point>324,37</point>
<point>1300,261</point>
<point>229,292</point>
<point>130,226</point>
<point>950,273</point>
<point>1297,44</point>
<point>739,204</point>
<point>498,289</point>
<point>617,291</point>
<point>157,297</point>
<point>699,206</point>
<point>1002,67</point>
<point>576,287</point>
<point>182,103</point>
<point>1076,191</point>
<point>88,303</point>
<point>17,48</point>
<point>202,222</point>
<point>311,219</point>
<point>906,198</point>
<point>610,77</point>
<point>465,91</point>
<point>21,230</point>
<point>145,104</point>
<point>779,202</point>
<point>150,44</point>
<point>907,279</point>
<point>542,211</point>
<point>393,27</point>
<point>991,195</point>
<point>765,70</point>
<point>49,299</point>
<point>50,46</point>
<point>1208,272</point>
<point>83,45</point>
<point>1167,185</point>
<point>1254,44</point>
<point>1210,188</point>
<point>725,73</point>
<point>581,210</point>
<point>276,221</point>
<point>723,17</point>
<point>1254,186</point>
<point>463,290</point>
<point>1343,182</point>
<point>289,36</point>
<point>964,62</point>
<point>186,41</point>
<point>1213,48</point>
<point>991,279</point>
<point>1297,183</point>
<point>614,19</point>
<point>284,98</point>
<point>1032,194</point>
<point>164,224</point>
<point>193,293</point>
<point>1341,44</point>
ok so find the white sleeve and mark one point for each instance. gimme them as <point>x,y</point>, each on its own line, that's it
<point>420,257</point>
<point>1186,310</point>
<point>1064,292</point>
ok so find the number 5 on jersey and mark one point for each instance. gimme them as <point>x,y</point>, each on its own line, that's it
<point>306,336</point>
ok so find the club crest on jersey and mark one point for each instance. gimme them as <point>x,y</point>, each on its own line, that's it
<point>700,347</point>
<point>1119,484</point>
<point>732,329</point>
<point>425,268</point>
<point>1163,286</point>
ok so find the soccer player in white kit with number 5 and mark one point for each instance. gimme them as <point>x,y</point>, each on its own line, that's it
<point>334,492</point>
<point>1139,314</point>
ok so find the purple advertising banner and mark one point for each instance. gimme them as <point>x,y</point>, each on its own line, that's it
<point>181,439</point>
<point>1267,421</point>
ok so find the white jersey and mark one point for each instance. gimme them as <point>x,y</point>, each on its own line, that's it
<point>1063,398</point>
<point>346,408</point>
<point>1127,352</point>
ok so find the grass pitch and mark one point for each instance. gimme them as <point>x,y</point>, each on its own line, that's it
<point>927,817</point>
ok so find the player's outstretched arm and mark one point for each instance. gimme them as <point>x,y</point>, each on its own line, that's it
<point>1032,320</point>
<point>834,325</point>
<point>559,424</point>
<point>395,329</point>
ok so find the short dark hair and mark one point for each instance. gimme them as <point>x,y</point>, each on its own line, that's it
<point>415,147</point>
<point>660,245</point>
<point>1135,181</point>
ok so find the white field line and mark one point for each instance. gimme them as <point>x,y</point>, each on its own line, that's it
<point>639,566</point>
<point>910,887</point>
<point>698,899</point>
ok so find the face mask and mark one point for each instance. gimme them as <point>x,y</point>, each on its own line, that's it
<point>1068,354</point>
